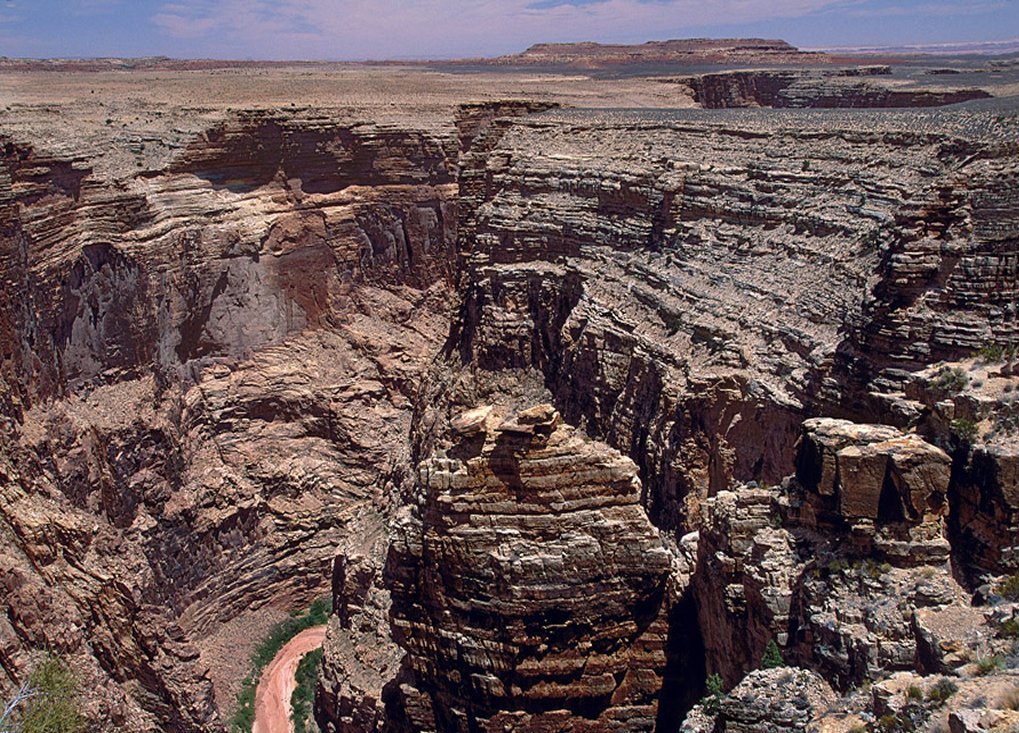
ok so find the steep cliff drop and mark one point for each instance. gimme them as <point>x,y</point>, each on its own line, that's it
<point>569,408</point>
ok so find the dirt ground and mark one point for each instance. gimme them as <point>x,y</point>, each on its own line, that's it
<point>272,698</point>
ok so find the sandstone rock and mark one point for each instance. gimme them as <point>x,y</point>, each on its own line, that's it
<point>747,573</point>
<point>214,385</point>
<point>967,721</point>
<point>359,658</point>
<point>945,636</point>
<point>828,88</point>
<point>782,699</point>
<point>987,510</point>
<point>472,421</point>
<point>529,588</point>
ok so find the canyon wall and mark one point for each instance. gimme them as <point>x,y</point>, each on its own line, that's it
<point>690,292</point>
<point>209,370</point>
<point>222,373</point>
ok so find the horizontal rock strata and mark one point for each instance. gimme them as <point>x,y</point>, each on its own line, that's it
<point>210,372</point>
<point>529,588</point>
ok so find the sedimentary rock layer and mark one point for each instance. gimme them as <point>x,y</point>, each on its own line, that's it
<point>209,371</point>
<point>691,289</point>
<point>530,591</point>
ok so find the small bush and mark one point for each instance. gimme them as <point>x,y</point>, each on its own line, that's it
<point>1009,588</point>
<point>951,380</point>
<point>1009,629</point>
<point>942,690</point>
<point>888,724</point>
<point>914,693</point>
<point>965,430</point>
<point>986,665</point>
<point>992,353</point>
<point>772,656</point>
<point>54,705</point>
<point>712,701</point>
<point>1006,418</point>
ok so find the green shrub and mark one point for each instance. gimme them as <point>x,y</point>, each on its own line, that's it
<point>1009,629</point>
<point>712,701</point>
<point>914,693</point>
<point>951,380</point>
<point>772,656</point>
<point>992,353</point>
<point>279,634</point>
<point>888,723</point>
<point>55,705</point>
<point>304,694</point>
<point>965,430</point>
<point>942,690</point>
<point>1009,588</point>
<point>986,665</point>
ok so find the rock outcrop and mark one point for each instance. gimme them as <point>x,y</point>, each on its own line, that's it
<point>209,376</point>
<point>837,564</point>
<point>780,699</point>
<point>679,52</point>
<point>529,589</point>
<point>828,89</point>
<point>985,511</point>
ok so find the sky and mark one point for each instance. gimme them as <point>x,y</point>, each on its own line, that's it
<point>423,29</point>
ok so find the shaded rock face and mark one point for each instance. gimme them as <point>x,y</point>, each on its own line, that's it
<point>360,657</point>
<point>209,372</point>
<point>614,269</point>
<point>836,566</point>
<point>829,89</point>
<point>529,588</point>
<point>985,511</point>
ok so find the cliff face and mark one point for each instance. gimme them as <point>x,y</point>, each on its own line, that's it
<point>691,291</point>
<point>831,89</point>
<point>691,308</point>
<point>209,371</point>
<point>530,591</point>
<point>224,372</point>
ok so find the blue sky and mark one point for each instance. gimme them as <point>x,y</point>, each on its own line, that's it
<point>360,29</point>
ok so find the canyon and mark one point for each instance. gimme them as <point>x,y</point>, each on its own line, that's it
<point>574,393</point>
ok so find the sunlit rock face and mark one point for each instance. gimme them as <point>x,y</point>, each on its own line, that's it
<point>209,371</point>
<point>529,588</point>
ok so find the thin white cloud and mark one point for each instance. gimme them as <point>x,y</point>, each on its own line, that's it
<point>942,10</point>
<point>436,28</point>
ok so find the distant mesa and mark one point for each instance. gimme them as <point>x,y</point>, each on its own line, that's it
<point>586,55</point>
<point>688,51</point>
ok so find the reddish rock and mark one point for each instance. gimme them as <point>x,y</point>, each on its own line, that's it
<point>529,587</point>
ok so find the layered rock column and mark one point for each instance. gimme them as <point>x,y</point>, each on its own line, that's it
<point>836,563</point>
<point>529,588</point>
